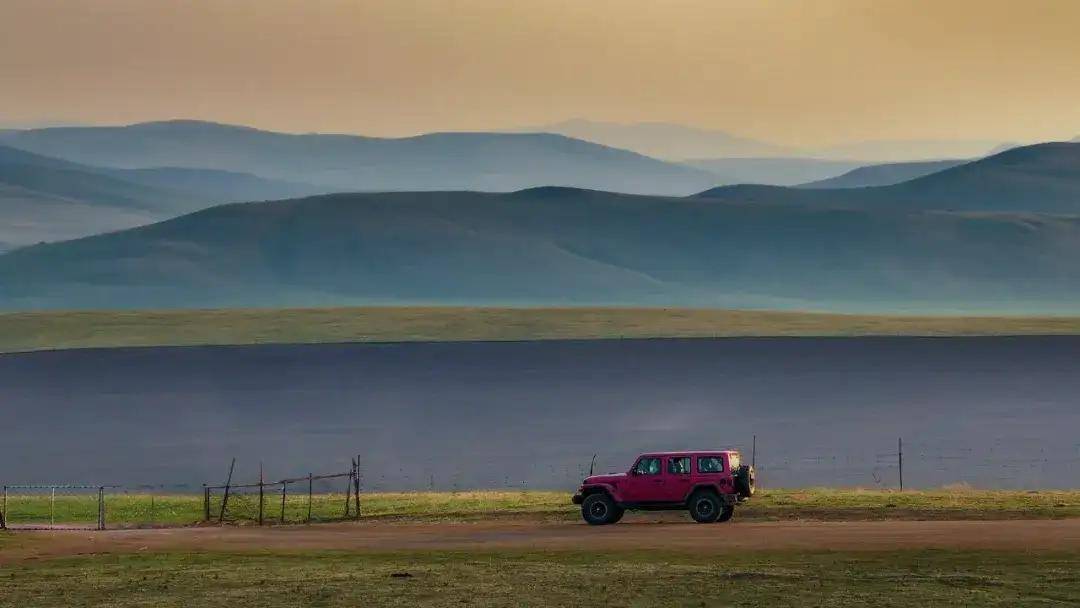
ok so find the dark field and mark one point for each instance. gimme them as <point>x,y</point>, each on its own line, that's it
<point>989,411</point>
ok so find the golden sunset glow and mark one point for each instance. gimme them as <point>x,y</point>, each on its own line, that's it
<point>805,73</point>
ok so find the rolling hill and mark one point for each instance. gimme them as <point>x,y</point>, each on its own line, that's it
<point>1043,178</point>
<point>772,171</point>
<point>679,142</point>
<point>30,217</point>
<point>552,246</point>
<point>899,151</point>
<point>664,140</point>
<point>438,161</point>
<point>48,199</point>
<point>884,175</point>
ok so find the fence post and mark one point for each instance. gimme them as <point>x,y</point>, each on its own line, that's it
<point>900,460</point>
<point>357,482</point>
<point>283,486</point>
<point>101,507</point>
<point>309,498</point>
<point>753,453</point>
<point>151,507</point>
<point>206,502</point>
<point>260,493</point>
<point>3,511</point>
<point>356,485</point>
<point>225,496</point>
<point>348,490</point>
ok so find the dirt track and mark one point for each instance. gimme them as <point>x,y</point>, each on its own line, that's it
<point>640,534</point>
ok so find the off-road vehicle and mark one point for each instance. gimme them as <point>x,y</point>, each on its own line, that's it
<point>708,484</point>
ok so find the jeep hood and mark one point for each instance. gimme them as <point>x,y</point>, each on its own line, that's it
<point>608,478</point>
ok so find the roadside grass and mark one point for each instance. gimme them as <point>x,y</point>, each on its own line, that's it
<point>85,329</point>
<point>134,510</point>
<point>767,579</point>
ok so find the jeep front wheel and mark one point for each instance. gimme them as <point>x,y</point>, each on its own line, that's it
<point>705,507</point>
<point>598,509</point>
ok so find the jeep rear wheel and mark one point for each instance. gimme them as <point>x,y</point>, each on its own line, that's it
<point>598,509</point>
<point>726,513</point>
<point>704,507</point>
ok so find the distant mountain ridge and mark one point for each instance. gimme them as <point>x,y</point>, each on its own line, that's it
<point>773,171</point>
<point>437,161</point>
<point>47,199</point>
<point>884,174</point>
<point>664,140</point>
<point>1043,178</point>
<point>679,142</point>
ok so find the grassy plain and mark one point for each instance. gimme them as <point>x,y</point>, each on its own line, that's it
<point>825,504</point>
<point>58,330</point>
<point>579,578</point>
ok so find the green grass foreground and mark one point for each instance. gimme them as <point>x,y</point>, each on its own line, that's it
<point>892,579</point>
<point>57,330</point>
<point>132,510</point>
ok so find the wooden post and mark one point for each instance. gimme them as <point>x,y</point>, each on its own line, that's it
<point>151,508</point>
<point>206,502</point>
<point>260,493</point>
<point>309,498</point>
<point>101,507</point>
<point>753,453</point>
<point>3,511</point>
<point>225,496</point>
<point>52,506</point>
<point>283,486</point>
<point>348,490</point>
<point>356,482</point>
<point>900,460</point>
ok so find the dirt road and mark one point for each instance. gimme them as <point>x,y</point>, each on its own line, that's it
<point>639,534</point>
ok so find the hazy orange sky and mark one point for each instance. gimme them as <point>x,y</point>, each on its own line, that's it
<point>798,72</point>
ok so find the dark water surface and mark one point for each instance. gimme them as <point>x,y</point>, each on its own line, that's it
<point>993,412</point>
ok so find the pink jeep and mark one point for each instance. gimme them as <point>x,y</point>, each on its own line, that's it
<point>709,484</point>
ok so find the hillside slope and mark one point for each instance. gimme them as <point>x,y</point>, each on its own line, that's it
<point>438,161</point>
<point>557,246</point>
<point>49,199</point>
<point>772,171</point>
<point>1043,178</point>
<point>883,175</point>
<point>28,217</point>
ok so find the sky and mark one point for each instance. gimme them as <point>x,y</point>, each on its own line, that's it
<point>791,72</point>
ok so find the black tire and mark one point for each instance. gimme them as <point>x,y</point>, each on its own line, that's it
<point>619,512</point>
<point>745,481</point>
<point>705,507</point>
<point>598,510</point>
<point>726,513</point>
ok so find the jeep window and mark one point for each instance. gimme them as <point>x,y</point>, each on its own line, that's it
<point>647,466</point>
<point>710,464</point>
<point>679,465</point>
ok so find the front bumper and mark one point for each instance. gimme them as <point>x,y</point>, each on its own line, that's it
<point>577,499</point>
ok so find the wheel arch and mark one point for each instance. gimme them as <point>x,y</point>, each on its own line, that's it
<point>601,489</point>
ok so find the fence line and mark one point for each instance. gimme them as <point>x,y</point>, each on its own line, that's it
<point>229,490</point>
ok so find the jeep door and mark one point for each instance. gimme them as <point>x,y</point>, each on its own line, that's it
<point>676,485</point>
<point>645,480</point>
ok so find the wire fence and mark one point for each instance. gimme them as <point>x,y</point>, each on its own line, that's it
<point>896,464</point>
<point>43,507</point>
<point>314,498</point>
